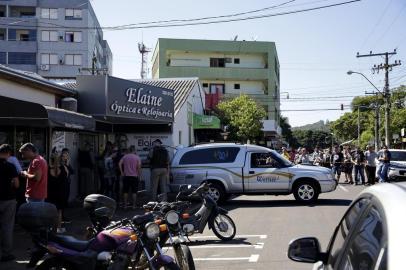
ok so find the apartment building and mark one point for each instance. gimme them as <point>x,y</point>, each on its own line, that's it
<point>55,39</point>
<point>226,69</point>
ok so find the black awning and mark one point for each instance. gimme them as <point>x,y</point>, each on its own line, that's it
<point>24,113</point>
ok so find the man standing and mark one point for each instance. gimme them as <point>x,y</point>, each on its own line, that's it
<point>159,162</point>
<point>358,159</point>
<point>337,159</point>
<point>37,174</point>
<point>130,168</point>
<point>8,186</point>
<point>370,168</point>
<point>384,157</point>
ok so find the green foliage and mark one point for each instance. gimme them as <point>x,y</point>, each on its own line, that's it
<point>311,138</point>
<point>346,127</point>
<point>243,115</point>
<point>287,131</point>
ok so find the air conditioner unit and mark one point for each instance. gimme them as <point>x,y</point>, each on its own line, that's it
<point>44,67</point>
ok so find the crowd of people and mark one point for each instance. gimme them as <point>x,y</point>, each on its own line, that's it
<point>119,173</point>
<point>358,167</point>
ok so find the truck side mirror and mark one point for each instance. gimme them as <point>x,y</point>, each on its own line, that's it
<point>305,250</point>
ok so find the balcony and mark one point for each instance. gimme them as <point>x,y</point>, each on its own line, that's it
<point>212,100</point>
<point>261,99</point>
<point>216,73</point>
<point>270,127</point>
<point>22,12</point>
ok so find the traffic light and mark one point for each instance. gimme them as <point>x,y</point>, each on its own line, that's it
<point>342,107</point>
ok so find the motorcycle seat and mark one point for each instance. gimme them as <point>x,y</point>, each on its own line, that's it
<point>141,219</point>
<point>70,242</point>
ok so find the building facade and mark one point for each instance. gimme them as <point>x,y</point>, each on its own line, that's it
<point>55,39</point>
<point>226,69</point>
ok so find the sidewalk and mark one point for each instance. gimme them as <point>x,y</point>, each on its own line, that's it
<point>77,228</point>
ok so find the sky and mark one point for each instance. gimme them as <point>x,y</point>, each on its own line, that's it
<point>315,49</point>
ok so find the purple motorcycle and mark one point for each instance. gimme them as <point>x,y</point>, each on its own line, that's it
<point>127,243</point>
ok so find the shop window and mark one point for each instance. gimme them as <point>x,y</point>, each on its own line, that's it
<point>236,61</point>
<point>237,86</point>
<point>217,62</point>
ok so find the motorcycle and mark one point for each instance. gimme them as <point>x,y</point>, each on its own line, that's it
<point>169,215</point>
<point>118,246</point>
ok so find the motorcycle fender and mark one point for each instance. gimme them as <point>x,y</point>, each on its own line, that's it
<point>222,211</point>
<point>163,260</point>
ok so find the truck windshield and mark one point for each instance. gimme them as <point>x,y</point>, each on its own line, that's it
<point>282,160</point>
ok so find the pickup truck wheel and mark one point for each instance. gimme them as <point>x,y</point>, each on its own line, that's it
<point>306,192</point>
<point>217,192</point>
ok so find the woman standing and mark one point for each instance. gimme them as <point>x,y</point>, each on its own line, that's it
<point>348,166</point>
<point>58,180</point>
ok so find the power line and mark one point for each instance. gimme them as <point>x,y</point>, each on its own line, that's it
<point>120,28</point>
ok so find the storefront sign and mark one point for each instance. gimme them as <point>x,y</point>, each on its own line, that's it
<point>139,101</point>
<point>205,122</point>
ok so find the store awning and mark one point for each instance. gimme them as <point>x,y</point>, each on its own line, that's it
<point>205,122</point>
<point>24,113</point>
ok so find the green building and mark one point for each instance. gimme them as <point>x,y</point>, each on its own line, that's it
<point>226,69</point>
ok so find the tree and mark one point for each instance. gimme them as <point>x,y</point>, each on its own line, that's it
<point>287,131</point>
<point>243,115</point>
<point>312,138</point>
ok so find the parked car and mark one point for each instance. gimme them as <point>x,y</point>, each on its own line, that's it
<point>248,169</point>
<point>371,235</point>
<point>397,168</point>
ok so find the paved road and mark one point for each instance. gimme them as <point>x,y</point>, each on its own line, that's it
<point>265,225</point>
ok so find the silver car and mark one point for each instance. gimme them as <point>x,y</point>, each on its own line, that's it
<point>371,235</point>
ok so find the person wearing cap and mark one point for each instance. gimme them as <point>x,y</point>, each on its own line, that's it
<point>159,162</point>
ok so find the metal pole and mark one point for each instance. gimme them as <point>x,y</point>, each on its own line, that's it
<point>359,129</point>
<point>387,105</point>
<point>376,127</point>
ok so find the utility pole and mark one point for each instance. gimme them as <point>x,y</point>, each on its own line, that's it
<point>386,93</point>
<point>144,63</point>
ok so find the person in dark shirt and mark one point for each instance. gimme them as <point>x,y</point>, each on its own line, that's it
<point>358,159</point>
<point>159,162</point>
<point>336,161</point>
<point>8,185</point>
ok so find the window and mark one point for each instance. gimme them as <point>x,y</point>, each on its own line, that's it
<point>22,35</point>
<point>236,60</point>
<point>49,35</point>
<point>217,88</point>
<point>263,160</point>
<point>2,35</point>
<point>73,14</point>
<point>73,36</point>
<point>73,59</point>
<point>205,85</point>
<point>3,58</point>
<point>343,230</point>
<point>236,86</point>
<point>210,155</point>
<point>22,58</point>
<point>49,13</point>
<point>217,62</point>
<point>368,242</point>
<point>49,59</point>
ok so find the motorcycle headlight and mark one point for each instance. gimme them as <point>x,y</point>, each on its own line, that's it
<point>172,217</point>
<point>152,230</point>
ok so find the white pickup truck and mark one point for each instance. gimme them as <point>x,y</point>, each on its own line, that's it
<point>248,169</point>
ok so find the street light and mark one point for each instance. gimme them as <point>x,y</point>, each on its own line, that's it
<point>387,124</point>
<point>350,72</point>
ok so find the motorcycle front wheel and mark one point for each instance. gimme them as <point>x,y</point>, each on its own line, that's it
<point>55,264</point>
<point>223,227</point>
<point>184,257</point>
